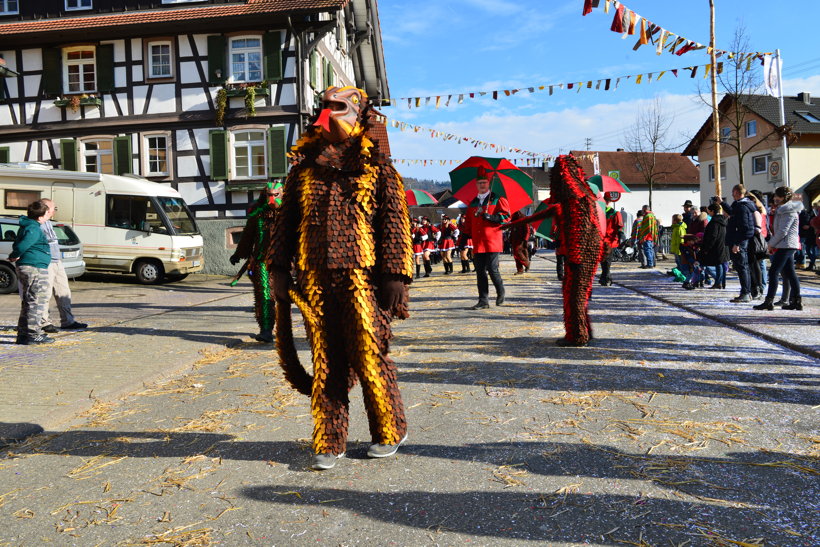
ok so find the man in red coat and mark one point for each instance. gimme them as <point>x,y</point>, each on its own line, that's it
<point>484,219</point>
<point>612,239</point>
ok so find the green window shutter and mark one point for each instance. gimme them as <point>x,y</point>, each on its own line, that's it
<point>219,154</point>
<point>68,154</point>
<point>216,60</point>
<point>52,71</point>
<point>5,155</point>
<point>2,88</point>
<point>272,49</point>
<point>122,155</point>
<point>277,151</point>
<point>314,60</point>
<point>105,68</point>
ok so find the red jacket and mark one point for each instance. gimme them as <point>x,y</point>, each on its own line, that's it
<point>614,225</point>
<point>486,233</point>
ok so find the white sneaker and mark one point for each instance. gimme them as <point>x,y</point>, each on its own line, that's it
<point>384,450</point>
<point>325,460</point>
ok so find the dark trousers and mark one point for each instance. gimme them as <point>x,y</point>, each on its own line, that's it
<point>606,264</point>
<point>487,263</point>
<point>783,262</point>
<point>740,262</point>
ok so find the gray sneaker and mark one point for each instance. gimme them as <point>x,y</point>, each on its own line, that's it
<point>742,298</point>
<point>325,461</point>
<point>384,450</point>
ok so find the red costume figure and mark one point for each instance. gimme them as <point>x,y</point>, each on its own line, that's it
<point>447,242</point>
<point>428,234</point>
<point>572,204</point>
<point>464,244</point>
<point>344,224</point>
<point>519,236</point>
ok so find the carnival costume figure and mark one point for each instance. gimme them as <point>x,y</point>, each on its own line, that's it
<point>447,242</point>
<point>344,224</point>
<point>573,208</point>
<point>253,246</point>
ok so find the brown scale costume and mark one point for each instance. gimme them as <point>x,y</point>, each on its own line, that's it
<point>572,205</point>
<point>344,224</point>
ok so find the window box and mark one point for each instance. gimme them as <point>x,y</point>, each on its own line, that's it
<point>84,101</point>
<point>242,91</point>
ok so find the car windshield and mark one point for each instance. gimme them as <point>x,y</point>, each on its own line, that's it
<point>65,235</point>
<point>177,212</point>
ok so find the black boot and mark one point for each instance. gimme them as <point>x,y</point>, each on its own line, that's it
<point>465,266</point>
<point>418,271</point>
<point>427,268</point>
<point>796,303</point>
<point>767,304</point>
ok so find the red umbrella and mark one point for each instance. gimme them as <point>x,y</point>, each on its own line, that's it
<point>419,197</point>
<point>608,184</point>
<point>506,180</point>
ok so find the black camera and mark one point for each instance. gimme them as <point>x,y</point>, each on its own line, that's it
<point>713,199</point>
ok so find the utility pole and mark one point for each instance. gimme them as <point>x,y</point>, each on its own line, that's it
<point>715,117</point>
<point>588,142</point>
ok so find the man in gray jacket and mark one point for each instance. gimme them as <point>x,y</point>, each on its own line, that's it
<point>57,281</point>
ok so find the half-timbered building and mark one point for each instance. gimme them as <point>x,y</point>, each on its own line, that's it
<point>205,95</point>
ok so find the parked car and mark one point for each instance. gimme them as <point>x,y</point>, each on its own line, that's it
<point>70,247</point>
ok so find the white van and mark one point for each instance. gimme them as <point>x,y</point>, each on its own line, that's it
<point>126,223</point>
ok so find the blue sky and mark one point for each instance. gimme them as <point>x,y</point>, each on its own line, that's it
<point>441,47</point>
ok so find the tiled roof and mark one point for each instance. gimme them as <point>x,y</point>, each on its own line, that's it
<point>170,14</point>
<point>671,167</point>
<point>768,108</point>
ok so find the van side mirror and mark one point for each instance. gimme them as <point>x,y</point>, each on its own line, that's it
<point>145,226</point>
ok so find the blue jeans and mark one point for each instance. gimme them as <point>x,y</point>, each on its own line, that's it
<point>740,261</point>
<point>718,273</point>
<point>649,252</point>
<point>783,261</point>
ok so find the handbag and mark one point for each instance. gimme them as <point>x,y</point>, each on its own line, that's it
<point>759,247</point>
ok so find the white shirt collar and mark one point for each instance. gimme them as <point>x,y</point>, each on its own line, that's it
<point>482,197</point>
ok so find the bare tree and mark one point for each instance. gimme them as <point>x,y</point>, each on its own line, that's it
<point>648,137</point>
<point>742,84</point>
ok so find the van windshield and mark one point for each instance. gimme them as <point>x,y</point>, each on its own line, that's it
<point>180,216</point>
<point>65,235</point>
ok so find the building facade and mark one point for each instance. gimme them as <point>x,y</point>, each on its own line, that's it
<point>756,130</point>
<point>204,95</point>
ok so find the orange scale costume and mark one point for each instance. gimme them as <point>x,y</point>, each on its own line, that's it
<point>344,224</point>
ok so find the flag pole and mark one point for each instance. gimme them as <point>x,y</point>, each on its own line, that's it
<point>785,160</point>
<point>715,116</point>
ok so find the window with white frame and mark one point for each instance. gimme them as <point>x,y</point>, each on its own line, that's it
<point>760,164</point>
<point>751,128</point>
<point>156,155</point>
<point>725,134</point>
<point>722,171</point>
<point>246,59</point>
<point>97,155</point>
<point>160,59</point>
<point>79,69</point>
<point>77,4</point>
<point>249,154</point>
<point>9,7</point>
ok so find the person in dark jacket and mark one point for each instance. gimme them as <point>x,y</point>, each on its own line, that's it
<point>739,231</point>
<point>31,255</point>
<point>714,253</point>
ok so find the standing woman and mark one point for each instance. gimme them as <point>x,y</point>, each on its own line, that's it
<point>418,242</point>
<point>713,250</point>
<point>447,242</point>
<point>782,245</point>
<point>465,245</point>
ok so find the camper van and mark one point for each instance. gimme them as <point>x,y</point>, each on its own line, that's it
<point>126,223</point>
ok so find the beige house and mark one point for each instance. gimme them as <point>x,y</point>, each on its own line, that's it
<point>755,130</point>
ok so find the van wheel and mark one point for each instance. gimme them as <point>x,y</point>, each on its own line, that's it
<point>8,279</point>
<point>175,277</point>
<point>149,272</point>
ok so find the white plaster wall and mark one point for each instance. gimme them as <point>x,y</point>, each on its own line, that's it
<point>138,94</point>
<point>804,165</point>
<point>49,112</point>
<point>32,59</point>
<point>187,167</point>
<point>193,193</point>
<point>193,99</point>
<point>163,99</point>
<point>136,49</point>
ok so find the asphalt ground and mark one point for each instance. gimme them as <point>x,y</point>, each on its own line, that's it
<point>687,421</point>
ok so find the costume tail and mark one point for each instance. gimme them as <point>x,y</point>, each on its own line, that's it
<point>295,373</point>
<point>238,276</point>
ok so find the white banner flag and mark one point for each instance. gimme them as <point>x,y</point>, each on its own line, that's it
<point>771,74</point>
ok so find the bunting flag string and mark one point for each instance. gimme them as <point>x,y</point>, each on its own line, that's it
<point>605,84</point>
<point>628,23</point>
<point>519,162</point>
